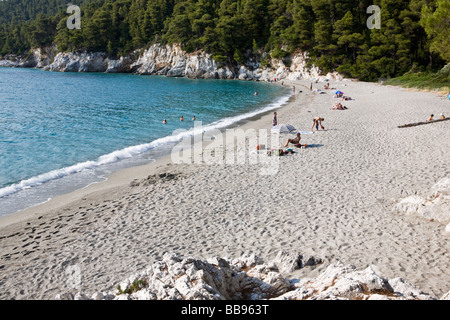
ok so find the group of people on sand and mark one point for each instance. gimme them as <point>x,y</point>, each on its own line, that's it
<point>317,121</point>
<point>431,117</point>
<point>181,119</point>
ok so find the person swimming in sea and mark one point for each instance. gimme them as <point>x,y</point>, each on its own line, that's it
<point>164,121</point>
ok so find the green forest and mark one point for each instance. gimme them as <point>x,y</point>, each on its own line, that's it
<point>414,34</point>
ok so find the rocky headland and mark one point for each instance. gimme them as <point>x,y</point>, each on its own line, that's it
<point>171,61</point>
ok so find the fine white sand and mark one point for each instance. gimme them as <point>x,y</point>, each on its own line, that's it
<point>333,200</point>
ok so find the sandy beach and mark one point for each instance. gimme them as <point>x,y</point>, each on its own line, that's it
<point>333,199</point>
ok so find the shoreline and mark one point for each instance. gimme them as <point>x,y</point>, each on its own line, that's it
<point>120,177</point>
<point>154,150</point>
<point>334,200</point>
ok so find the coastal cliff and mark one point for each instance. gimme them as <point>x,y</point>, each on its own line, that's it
<point>171,61</point>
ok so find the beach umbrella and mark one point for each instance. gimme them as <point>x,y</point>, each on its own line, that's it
<point>339,92</point>
<point>283,128</point>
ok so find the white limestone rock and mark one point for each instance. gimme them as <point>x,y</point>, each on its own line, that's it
<point>8,63</point>
<point>80,296</point>
<point>435,206</point>
<point>446,296</point>
<point>407,290</point>
<point>64,296</point>
<point>340,282</point>
<point>172,61</point>
<point>121,65</point>
<point>250,278</point>
<point>288,262</point>
<point>79,62</point>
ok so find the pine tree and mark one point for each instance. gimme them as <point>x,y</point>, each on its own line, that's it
<point>437,27</point>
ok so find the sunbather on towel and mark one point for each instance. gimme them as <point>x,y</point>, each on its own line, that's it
<point>338,106</point>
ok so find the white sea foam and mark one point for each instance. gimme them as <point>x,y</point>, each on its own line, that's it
<point>129,152</point>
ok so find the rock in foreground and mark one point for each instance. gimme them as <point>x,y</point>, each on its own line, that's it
<point>435,206</point>
<point>249,278</point>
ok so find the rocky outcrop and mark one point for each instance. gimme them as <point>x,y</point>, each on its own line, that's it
<point>8,61</point>
<point>79,62</point>
<point>435,206</point>
<point>250,278</point>
<point>172,61</point>
<point>36,58</point>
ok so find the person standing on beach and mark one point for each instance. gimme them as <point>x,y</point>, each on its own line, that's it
<point>316,122</point>
<point>310,87</point>
<point>274,120</point>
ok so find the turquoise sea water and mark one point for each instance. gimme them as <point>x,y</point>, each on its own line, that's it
<point>62,131</point>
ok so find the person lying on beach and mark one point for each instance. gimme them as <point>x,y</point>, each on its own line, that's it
<point>430,118</point>
<point>344,98</point>
<point>296,140</point>
<point>442,116</point>
<point>338,106</point>
<point>316,122</point>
